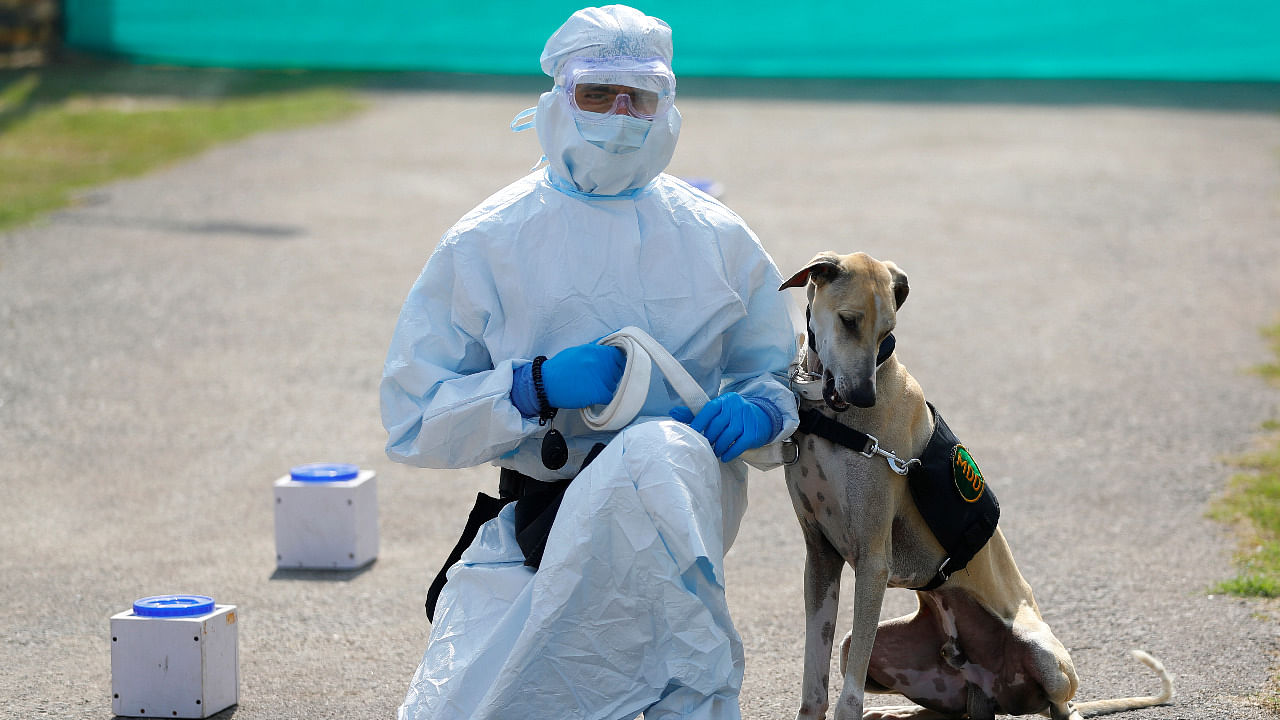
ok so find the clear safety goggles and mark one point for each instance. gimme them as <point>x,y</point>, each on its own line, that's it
<point>643,88</point>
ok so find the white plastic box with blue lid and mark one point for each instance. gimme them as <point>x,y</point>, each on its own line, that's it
<point>174,656</point>
<point>326,517</point>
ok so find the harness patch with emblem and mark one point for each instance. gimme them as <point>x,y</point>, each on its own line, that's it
<point>968,478</point>
<point>962,525</point>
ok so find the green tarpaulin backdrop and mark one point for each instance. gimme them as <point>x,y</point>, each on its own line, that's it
<point>1140,39</point>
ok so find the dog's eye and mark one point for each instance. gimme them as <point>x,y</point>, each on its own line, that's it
<point>851,321</point>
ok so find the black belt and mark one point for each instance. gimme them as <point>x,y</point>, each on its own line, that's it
<point>537,502</point>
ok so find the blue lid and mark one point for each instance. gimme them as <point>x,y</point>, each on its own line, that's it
<point>173,606</point>
<point>324,472</point>
<point>709,186</point>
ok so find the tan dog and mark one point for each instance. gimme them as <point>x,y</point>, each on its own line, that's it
<point>976,646</point>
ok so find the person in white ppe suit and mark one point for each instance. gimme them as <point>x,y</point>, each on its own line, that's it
<point>495,350</point>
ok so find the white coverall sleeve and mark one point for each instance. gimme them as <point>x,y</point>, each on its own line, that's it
<point>444,402</point>
<point>760,348</point>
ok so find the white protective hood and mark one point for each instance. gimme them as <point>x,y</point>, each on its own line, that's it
<point>611,31</point>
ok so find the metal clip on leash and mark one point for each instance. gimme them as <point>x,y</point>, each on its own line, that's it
<point>896,464</point>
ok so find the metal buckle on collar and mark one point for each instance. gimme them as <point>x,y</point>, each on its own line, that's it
<point>795,451</point>
<point>806,385</point>
<point>896,464</point>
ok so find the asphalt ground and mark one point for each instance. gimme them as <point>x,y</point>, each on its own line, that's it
<point>1090,265</point>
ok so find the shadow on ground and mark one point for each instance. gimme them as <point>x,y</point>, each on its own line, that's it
<point>311,575</point>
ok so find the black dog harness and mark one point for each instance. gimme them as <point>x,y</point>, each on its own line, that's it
<point>945,483</point>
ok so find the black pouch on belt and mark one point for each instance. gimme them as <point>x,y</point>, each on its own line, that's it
<point>486,509</point>
<point>536,510</point>
<point>536,502</point>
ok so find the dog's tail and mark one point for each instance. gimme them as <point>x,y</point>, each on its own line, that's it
<point>1103,707</point>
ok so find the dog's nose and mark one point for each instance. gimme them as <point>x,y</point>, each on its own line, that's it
<point>863,396</point>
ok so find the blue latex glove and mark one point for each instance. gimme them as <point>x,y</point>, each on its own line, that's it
<point>583,375</point>
<point>733,423</point>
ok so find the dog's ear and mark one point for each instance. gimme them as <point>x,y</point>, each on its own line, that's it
<point>899,281</point>
<point>824,267</point>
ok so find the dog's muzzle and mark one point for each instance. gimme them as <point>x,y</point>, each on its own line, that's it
<point>863,396</point>
<point>830,395</point>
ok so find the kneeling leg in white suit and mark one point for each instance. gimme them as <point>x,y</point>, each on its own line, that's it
<point>626,614</point>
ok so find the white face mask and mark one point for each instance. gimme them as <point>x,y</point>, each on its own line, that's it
<point>618,134</point>
<point>637,156</point>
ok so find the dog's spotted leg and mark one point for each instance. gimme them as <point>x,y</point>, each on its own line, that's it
<point>822,569</point>
<point>903,712</point>
<point>871,576</point>
<point>950,648</point>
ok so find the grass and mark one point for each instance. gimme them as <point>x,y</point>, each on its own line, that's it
<point>1252,504</point>
<point>69,127</point>
<point>1271,371</point>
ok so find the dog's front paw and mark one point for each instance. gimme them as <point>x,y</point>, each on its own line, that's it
<point>851,703</point>
<point>810,711</point>
<point>898,712</point>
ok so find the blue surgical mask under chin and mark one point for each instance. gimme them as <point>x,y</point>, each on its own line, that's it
<point>618,134</point>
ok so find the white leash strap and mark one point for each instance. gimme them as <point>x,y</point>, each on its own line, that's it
<point>643,352</point>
